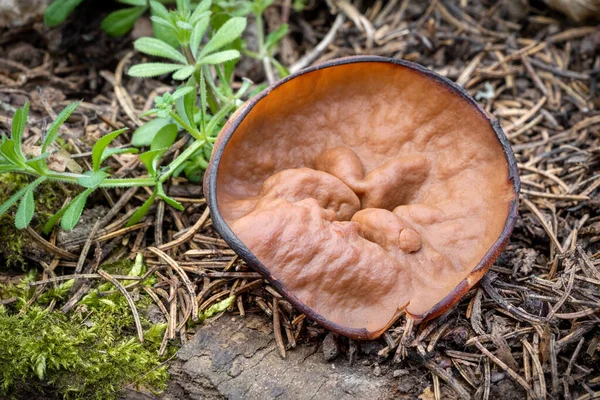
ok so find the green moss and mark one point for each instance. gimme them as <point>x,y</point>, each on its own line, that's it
<point>120,267</point>
<point>48,200</point>
<point>90,353</point>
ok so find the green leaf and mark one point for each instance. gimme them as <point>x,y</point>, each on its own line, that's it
<point>259,6</point>
<point>100,145</point>
<point>281,70</point>
<point>189,103</point>
<point>144,134</point>
<point>184,25</point>
<point>159,10</point>
<point>119,22</point>
<point>180,109</point>
<point>184,73</point>
<point>156,47</point>
<point>54,219</point>
<point>197,34</point>
<point>52,132</point>
<point>165,33</point>
<point>300,5</point>
<point>150,112</point>
<point>217,308</point>
<point>118,150</point>
<point>38,164</point>
<point>9,168</point>
<point>25,211</point>
<point>92,179</point>
<point>274,37</point>
<point>58,11</point>
<point>172,202</point>
<point>18,126</point>
<point>183,5</point>
<point>165,137</point>
<point>162,140</point>
<point>140,3</point>
<point>12,200</point>
<point>155,333</point>
<point>220,57</point>
<point>182,91</point>
<point>168,25</point>
<point>201,8</point>
<point>153,69</point>
<point>138,268</point>
<point>229,68</point>
<point>9,151</point>
<point>231,30</point>
<point>142,211</point>
<point>150,158</point>
<point>74,210</point>
<point>15,197</point>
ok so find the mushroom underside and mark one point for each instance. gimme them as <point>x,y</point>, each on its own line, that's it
<point>365,188</point>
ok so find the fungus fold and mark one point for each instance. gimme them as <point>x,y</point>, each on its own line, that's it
<point>363,187</point>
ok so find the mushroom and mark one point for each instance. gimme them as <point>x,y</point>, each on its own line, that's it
<point>364,187</point>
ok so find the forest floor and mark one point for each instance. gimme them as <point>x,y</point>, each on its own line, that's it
<point>530,328</point>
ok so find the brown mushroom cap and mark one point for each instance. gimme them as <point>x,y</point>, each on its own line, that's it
<point>362,187</point>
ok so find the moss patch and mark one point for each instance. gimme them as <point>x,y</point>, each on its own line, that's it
<point>90,353</point>
<point>48,200</point>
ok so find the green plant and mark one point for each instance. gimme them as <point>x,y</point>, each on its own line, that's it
<point>199,107</point>
<point>267,45</point>
<point>117,23</point>
<point>13,159</point>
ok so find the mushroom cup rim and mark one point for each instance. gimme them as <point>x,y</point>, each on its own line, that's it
<point>210,193</point>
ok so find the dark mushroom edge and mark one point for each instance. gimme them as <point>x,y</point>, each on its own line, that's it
<point>210,192</point>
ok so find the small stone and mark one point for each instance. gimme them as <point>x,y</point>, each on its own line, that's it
<point>155,315</point>
<point>377,371</point>
<point>400,372</point>
<point>405,385</point>
<point>370,347</point>
<point>331,347</point>
<point>21,12</point>
<point>497,376</point>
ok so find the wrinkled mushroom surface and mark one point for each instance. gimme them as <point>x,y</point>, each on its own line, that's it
<point>362,187</point>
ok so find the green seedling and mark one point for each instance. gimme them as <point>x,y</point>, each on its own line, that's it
<point>204,57</point>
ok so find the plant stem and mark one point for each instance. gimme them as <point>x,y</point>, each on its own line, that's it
<point>183,157</point>
<point>128,182</point>
<point>210,92</point>
<point>213,86</point>
<point>109,182</point>
<point>261,49</point>
<point>193,131</point>
<point>189,55</point>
